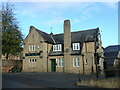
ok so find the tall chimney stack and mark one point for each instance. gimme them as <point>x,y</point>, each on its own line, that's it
<point>67,46</point>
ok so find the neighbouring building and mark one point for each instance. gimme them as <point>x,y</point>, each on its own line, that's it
<point>13,57</point>
<point>70,52</point>
<point>112,55</point>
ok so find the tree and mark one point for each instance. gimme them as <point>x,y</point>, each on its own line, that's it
<point>11,34</point>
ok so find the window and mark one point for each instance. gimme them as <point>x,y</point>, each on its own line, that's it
<point>76,62</point>
<point>32,47</point>
<point>86,61</point>
<point>57,47</point>
<point>76,46</point>
<point>60,62</point>
<point>29,48</point>
<point>32,62</point>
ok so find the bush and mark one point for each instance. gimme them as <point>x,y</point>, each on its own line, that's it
<point>14,69</point>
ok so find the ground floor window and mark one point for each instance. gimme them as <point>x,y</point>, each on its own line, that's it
<point>76,62</point>
<point>60,62</point>
<point>32,62</point>
<point>86,61</point>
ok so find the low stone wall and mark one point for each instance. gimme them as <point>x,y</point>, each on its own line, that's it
<point>8,64</point>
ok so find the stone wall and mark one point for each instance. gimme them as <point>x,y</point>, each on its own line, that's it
<point>7,64</point>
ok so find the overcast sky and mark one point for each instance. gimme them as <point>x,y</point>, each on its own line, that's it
<point>83,16</point>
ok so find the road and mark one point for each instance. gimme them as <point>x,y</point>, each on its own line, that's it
<point>39,80</point>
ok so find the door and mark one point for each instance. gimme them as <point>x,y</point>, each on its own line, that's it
<point>53,65</point>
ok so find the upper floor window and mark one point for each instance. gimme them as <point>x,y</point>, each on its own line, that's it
<point>32,48</point>
<point>57,47</point>
<point>76,46</point>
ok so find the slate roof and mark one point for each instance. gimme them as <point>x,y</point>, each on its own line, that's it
<point>79,36</point>
<point>45,36</point>
<point>112,48</point>
<point>111,53</point>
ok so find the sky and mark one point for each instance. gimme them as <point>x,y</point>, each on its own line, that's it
<point>49,17</point>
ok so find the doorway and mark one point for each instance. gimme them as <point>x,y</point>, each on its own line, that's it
<point>53,65</point>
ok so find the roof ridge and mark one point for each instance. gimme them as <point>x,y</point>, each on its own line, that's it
<point>42,31</point>
<point>85,30</point>
<point>79,31</point>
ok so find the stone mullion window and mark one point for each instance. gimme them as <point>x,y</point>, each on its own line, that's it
<point>32,48</point>
<point>32,62</point>
<point>57,47</point>
<point>76,46</point>
<point>60,62</point>
<point>76,62</point>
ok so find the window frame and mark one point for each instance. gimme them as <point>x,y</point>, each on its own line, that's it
<point>32,47</point>
<point>57,47</point>
<point>86,61</point>
<point>32,62</point>
<point>60,62</point>
<point>76,46</point>
<point>76,62</point>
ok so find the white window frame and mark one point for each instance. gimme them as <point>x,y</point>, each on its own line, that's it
<point>76,62</point>
<point>60,62</point>
<point>57,47</point>
<point>76,46</point>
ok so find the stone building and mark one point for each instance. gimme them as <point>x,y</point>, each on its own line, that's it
<point>71,52</point>
<point>112,55</point>
<point>12,57</point>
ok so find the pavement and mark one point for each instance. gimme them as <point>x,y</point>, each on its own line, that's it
<point>39,80</point>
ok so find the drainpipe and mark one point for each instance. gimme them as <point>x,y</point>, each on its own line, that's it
<point>95,56</point>
<point>83,62</point>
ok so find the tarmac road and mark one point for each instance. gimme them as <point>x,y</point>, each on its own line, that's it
<point>39,80</point>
